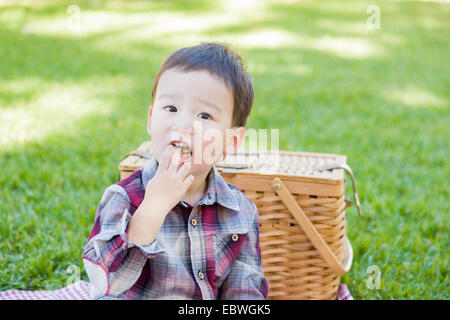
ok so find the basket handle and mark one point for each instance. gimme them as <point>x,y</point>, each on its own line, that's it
<point>347,168</point>
<point>308,227</point>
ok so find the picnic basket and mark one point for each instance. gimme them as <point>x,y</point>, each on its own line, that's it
<point>301,203</point>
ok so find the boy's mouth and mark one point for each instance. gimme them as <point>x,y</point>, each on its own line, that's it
<point>185,150</point>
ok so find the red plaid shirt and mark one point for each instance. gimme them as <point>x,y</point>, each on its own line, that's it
<point>210,251</point>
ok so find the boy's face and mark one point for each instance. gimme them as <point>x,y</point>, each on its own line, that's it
<point>196,109</point>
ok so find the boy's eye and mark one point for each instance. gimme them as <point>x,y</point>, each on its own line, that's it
<point>207,116</point>
<point>203,115</point>
<point>172,108</point>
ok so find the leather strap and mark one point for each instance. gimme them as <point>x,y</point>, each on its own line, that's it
<point>308,227</point>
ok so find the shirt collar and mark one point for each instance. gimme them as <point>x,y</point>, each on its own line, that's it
<point>218,189</point>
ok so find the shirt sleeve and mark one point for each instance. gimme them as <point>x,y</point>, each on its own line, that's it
<point>246,279</point>
<point>113,264</point>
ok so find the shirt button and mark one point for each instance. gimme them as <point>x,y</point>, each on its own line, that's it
<point>234,237</point>
<point>194,222</point>
<point>201,275</point>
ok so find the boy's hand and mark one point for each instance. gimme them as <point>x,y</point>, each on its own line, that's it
<point>162,193</point>
<point>169,185</point>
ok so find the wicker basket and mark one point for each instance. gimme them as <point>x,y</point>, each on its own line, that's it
<point>301,205</point>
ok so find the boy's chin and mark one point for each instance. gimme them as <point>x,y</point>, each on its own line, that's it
<point>206,162</point>
<point>201,167</point>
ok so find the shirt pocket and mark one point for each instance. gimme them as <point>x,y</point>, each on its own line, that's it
<point>226,250</point>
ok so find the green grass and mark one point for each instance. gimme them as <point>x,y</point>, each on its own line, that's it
<point>73,103</point>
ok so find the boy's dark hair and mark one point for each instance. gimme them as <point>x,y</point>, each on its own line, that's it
<point>221,61</point>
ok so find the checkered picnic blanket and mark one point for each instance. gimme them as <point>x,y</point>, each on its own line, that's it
<point>80,291</point>
<point>76,291</point>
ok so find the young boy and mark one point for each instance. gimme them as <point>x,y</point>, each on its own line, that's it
<point>175,229</point>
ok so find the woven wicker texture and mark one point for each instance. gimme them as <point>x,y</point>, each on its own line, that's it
<point>294,268</point>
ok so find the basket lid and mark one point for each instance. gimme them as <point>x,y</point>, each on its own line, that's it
<point>284,163</point>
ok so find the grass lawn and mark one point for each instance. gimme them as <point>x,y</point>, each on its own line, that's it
<point>75,88</point>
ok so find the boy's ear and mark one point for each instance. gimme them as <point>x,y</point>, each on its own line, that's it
<point>149,120</point>
<point>235,140</point>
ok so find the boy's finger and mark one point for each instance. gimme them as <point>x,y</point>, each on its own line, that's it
<point>165,158</point>
<point>188,181</point>
<point>185,169</point>
<point>174,161</point>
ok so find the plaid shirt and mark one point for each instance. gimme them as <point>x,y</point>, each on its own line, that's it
<point>210,251</point>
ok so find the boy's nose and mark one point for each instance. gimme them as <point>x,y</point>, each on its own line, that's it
<point>183,131</point>
<point>183,134</point>
<point>186,126</point>
<point>187,130</point>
